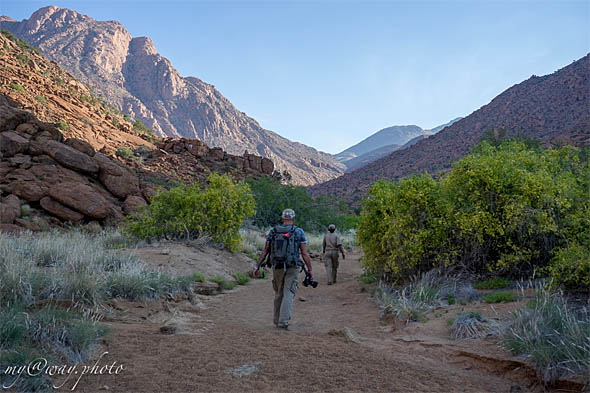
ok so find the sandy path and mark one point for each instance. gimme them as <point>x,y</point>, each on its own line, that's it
<point>235,330</point>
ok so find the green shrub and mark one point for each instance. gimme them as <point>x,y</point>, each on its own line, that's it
<point>552,336</point>
<point>508,209</point>
<point>272,198</point>
<point>571,267</point>
<point>17,87</point>
<point>198,277</point>
<point>368,278</point>
<point>241,278</point>
<point>402,230</point>
<point>62,125</point>
<point>115,121</point>
<point>126,117</point>
<point>227,285</point>
<point>143,151</point>
<point>499,297</point>
<point>217,211</point>
<point>216,279</point>
<point>41,99</point>
<point>492,283</point>
<point>451,300</point>
<point>125,152</point>
<point>140,127</point>
<point>23,59</point>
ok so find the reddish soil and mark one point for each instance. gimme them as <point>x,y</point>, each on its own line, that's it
<point>336,343</point>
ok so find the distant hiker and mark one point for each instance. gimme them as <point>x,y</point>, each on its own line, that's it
<point>331,246</point>
<point>285,243</point>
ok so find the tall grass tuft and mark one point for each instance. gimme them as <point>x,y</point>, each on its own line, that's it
<point>471,325</point>
<point>552,336</point>
<point>410,303</point>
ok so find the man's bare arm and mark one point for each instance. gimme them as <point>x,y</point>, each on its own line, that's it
<point>341,251</point>
<point>263,255</point>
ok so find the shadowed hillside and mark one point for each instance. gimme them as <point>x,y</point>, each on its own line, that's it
<point>553,108</point>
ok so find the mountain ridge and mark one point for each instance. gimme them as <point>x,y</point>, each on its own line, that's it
<point>552,108</point>
<point>133,77</point>
<point>384,142</point>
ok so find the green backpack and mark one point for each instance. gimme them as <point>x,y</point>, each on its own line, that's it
<point>283,246</point>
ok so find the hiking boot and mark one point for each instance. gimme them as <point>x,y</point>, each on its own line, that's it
<point>284,327</point>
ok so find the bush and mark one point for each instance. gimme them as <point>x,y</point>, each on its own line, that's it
<point>492,283</point>
<point>401,229</point>
<point>140,127</point>
<point>368,278</point>
<point>125,153</point>
<point>499,297</point>
<point>115,121</point>
<point>216,279</point>
<point>186,212</point>
<point>470,325</point>
<point>17,87</point>
<point>571,267</point>
<point>272,198</point>
<point>241,278</point>
<point>227,285</point>
<point>509,209</point>
<point>198,277</point>
<point>23,59</point>
<point>552,336</point>
<point>62,125</point>
<point>41,99</point>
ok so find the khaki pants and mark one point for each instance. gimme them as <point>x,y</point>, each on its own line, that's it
<point>331,263</point>
<point>285,286</point>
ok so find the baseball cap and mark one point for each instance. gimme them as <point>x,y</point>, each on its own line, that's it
<point>288,214</point>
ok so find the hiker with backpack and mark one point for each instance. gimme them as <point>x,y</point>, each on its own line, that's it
<point>331,246</point>
<point>284,244</point>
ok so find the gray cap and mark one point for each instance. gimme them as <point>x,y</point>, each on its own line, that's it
<point>288,214</point>
<point>331,227</point>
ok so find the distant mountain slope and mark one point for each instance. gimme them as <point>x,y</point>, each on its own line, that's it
<point>137,80</point>
<point>31,82</point>
<point>371,156</point>
<point>384,142</point>
<point>395,135</point>
<point>554,108</point>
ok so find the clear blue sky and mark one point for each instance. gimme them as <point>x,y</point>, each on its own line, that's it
<point>330,73</point>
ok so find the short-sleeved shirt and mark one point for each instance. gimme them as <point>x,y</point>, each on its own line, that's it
<point>299,238</point>
<point>331,241</point>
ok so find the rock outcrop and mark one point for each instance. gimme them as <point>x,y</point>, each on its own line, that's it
<point>134,78</point>
<point>64,180</point>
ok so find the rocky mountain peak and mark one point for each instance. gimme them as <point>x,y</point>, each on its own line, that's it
<point>142,46</point>
<point>133,77</point>
<point>52,17</point>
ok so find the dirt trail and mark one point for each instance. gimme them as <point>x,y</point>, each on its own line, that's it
<point>229,344</point>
